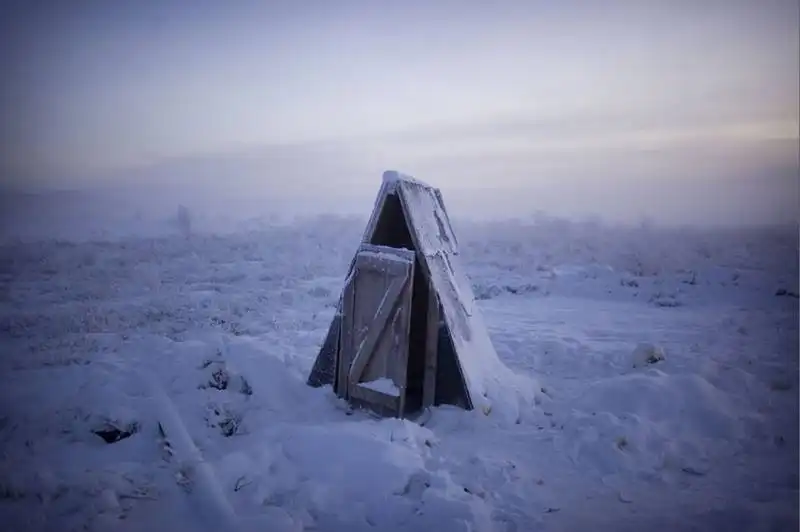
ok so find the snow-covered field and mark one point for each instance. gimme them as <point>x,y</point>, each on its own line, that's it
<point>666,362</point>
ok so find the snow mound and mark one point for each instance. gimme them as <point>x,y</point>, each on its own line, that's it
<point>654,424</point>
<point>348,475</point>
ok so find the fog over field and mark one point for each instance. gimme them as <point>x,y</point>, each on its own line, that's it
<point>183,186</point>
<point>680,113</point>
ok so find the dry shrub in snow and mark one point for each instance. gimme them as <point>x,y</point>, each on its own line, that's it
<point>184,221</point>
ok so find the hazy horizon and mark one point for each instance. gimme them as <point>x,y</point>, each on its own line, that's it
<point>677,111</point>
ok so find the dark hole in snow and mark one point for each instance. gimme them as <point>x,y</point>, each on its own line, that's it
<point>245,387</point>
<point>219,379</point>
<point>689,470</point>
<point>228,427</point>
<point>782,292</point>
<point>112,434</point>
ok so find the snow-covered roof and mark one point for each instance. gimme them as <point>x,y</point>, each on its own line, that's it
<point>393,176</point>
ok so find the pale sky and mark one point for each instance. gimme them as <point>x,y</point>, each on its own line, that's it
<point>91,88</point>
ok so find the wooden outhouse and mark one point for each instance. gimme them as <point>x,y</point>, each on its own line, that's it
<point>407,333</point>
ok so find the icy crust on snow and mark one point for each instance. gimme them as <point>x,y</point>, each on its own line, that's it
<point>493,388</point>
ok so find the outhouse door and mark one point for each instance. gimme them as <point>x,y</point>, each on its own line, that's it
<point>374,339</point>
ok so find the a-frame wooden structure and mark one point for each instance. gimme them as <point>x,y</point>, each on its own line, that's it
<point>407,333</point>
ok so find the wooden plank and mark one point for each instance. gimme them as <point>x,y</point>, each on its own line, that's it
<point>451,314</point>
<point>390,300</point>
<point>412,230</point>
<point>431,348</point>
<point>440,201</point>
<point>401,362</point>
<point>432,336</point>
<point>375,397</point>
<point>324,370</point>
<point>337,348</point>
<point>346,336</point>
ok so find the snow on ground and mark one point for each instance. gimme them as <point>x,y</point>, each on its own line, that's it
<point>667,361</point>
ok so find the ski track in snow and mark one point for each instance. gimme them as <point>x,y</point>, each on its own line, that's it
<point>229,326</point>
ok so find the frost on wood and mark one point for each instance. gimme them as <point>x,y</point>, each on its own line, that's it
<point>392,177</point>
<point>428,218</point>
<point>491,385</point>
<point>485,383</point>
<point>385,255</point>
